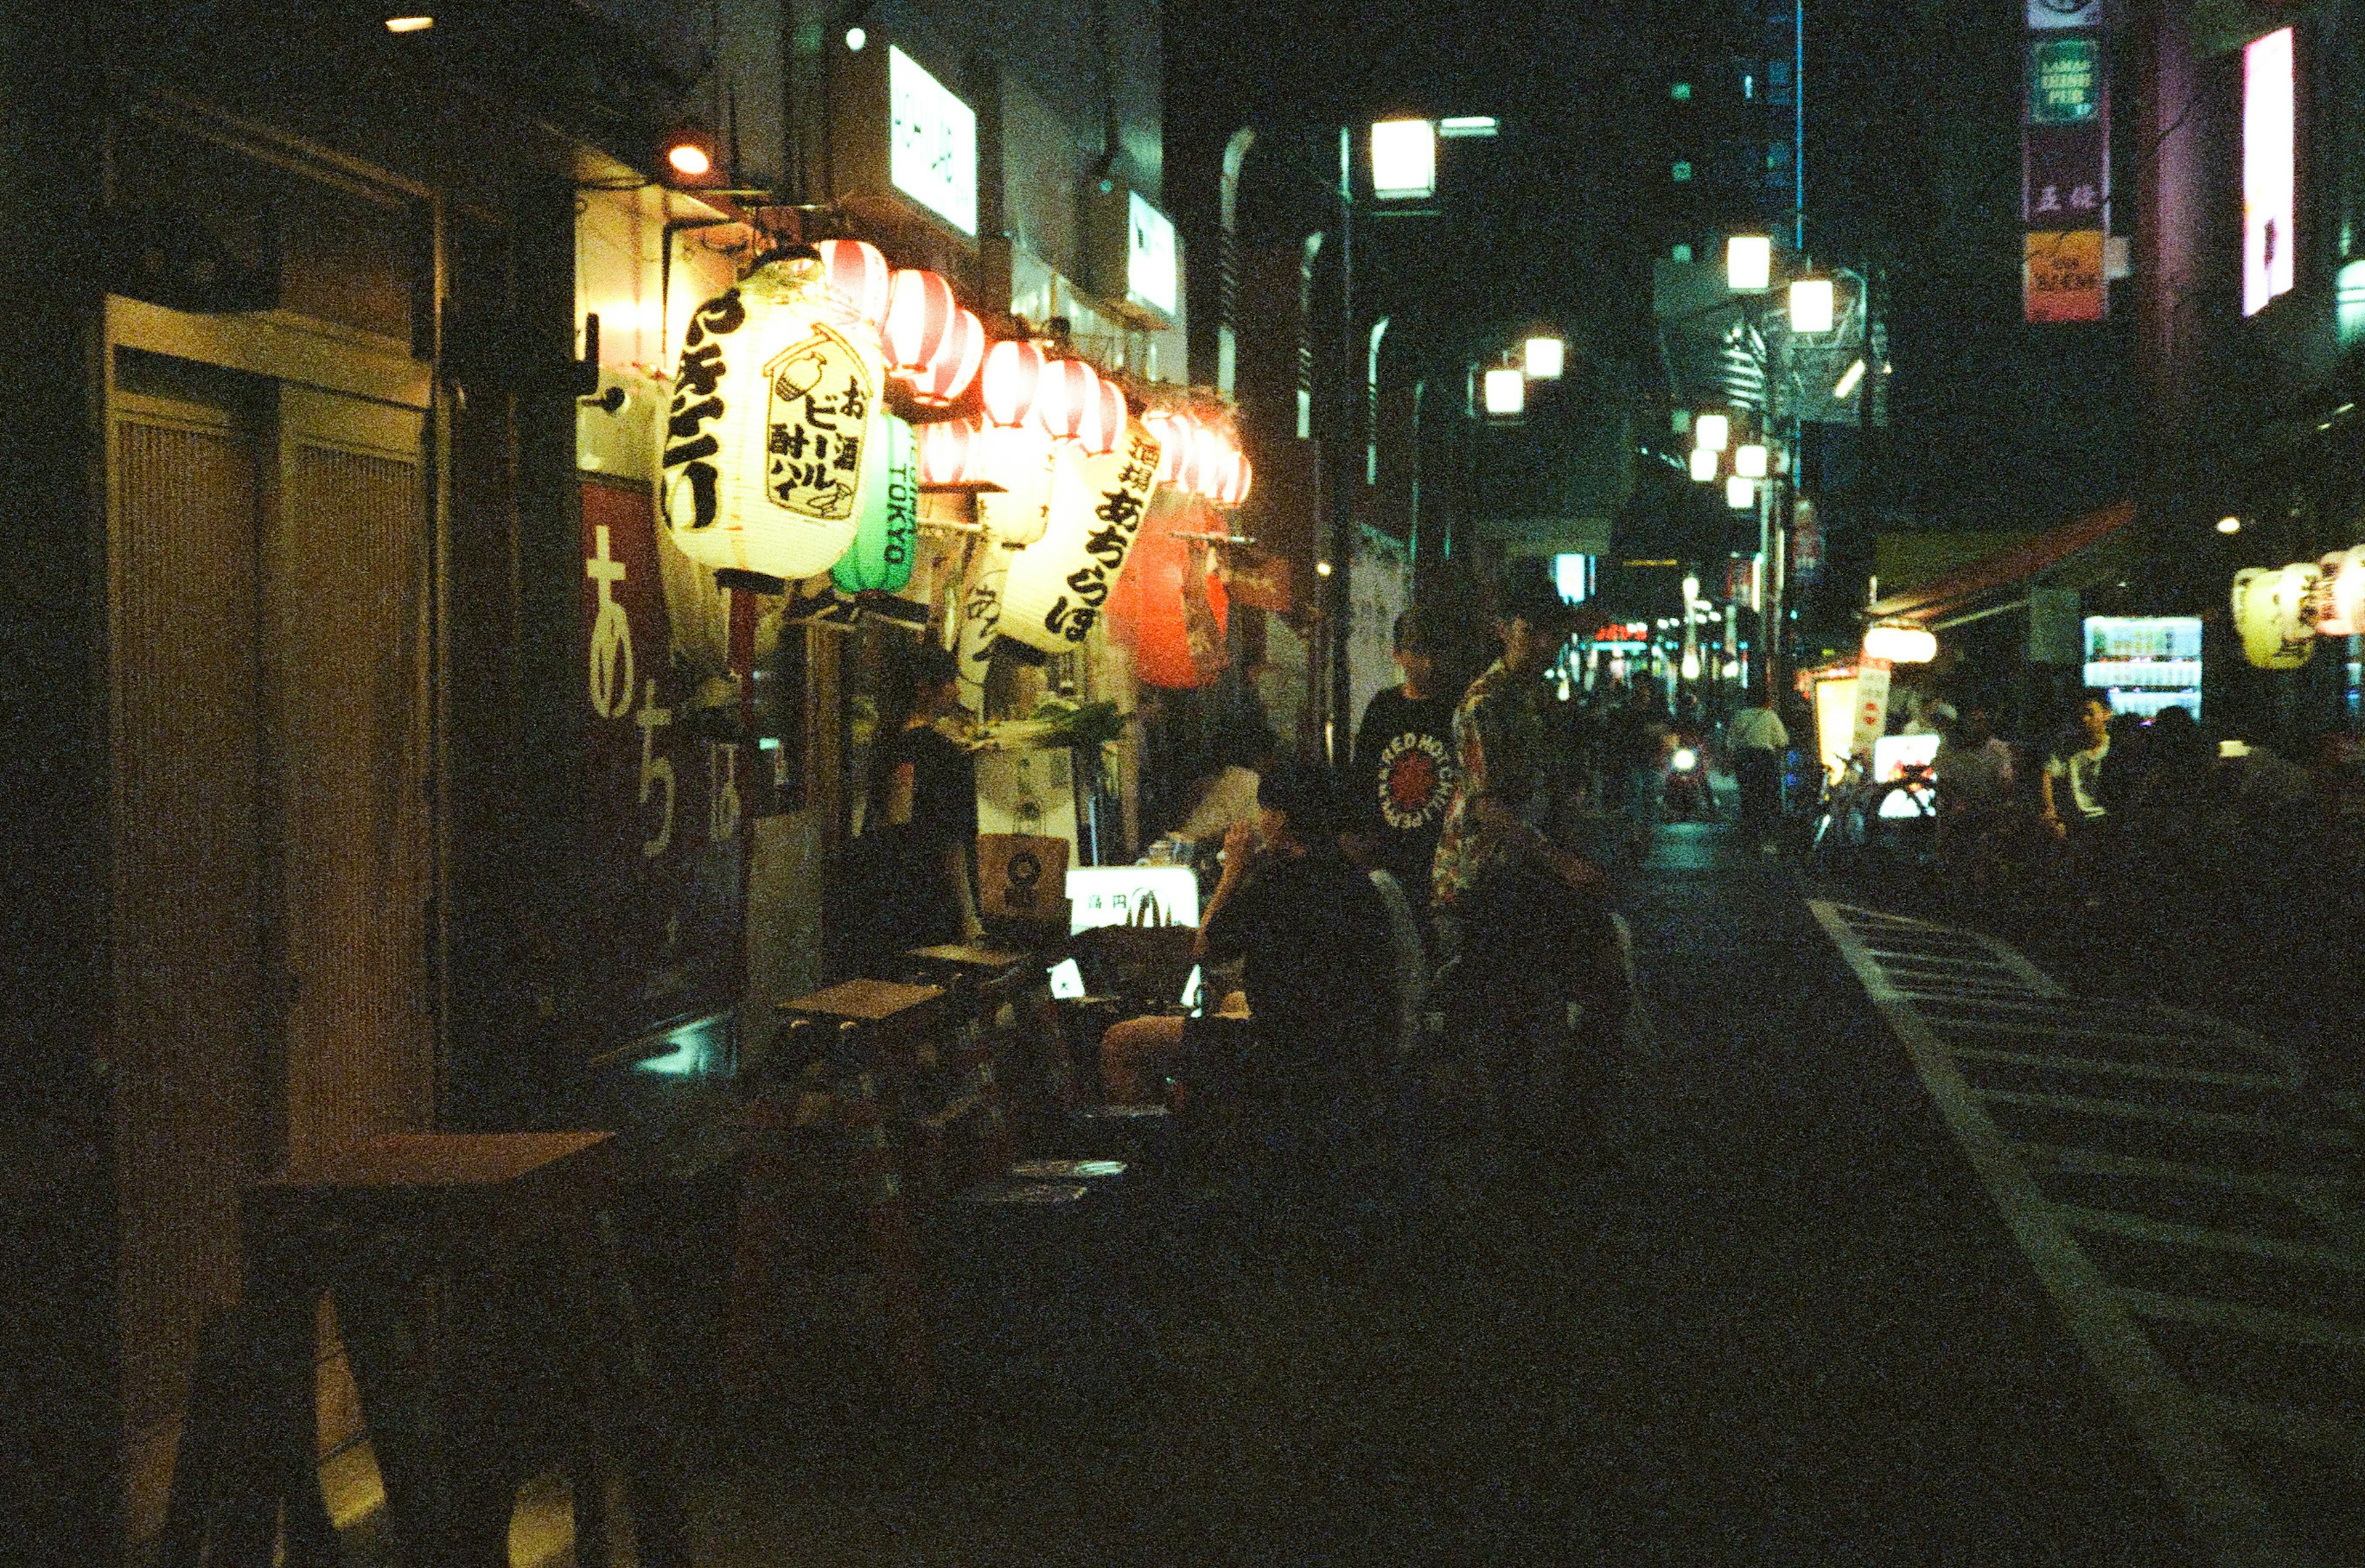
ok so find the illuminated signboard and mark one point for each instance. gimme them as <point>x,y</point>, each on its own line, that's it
<point>2065,82</point>
<point>2269,141</point>
<point>1152,270</point>
<point>932,146</point>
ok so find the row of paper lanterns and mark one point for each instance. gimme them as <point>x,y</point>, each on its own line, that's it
<point>2280,611</point>
<point>782,460</point>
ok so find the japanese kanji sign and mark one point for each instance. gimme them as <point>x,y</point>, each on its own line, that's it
<point>1059,585</point>
<point>2067,177</point>
<point>2062,275</point>
<point>2064,164</point>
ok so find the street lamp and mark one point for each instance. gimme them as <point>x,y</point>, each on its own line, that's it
<point>1404,159</point>
<point>1748,263</point>
<point>1541,358</point>
<point>1710,431</point>
<point>1749,460</point>
<point>1739,492</point>
<point>1811,304</point>
<point>1505,392</point>
<point>1703,463</point>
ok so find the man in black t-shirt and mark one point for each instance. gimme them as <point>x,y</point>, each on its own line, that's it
<point>1319,967</point>
<point>1404,757</point>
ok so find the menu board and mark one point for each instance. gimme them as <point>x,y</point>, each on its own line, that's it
<point>2145,663</point>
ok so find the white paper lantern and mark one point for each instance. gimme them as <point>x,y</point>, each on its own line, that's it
<point>980,619</point>
<point>1021,459</point>
<point>2272,610</point>
<point>771,423</point>
<point>1058,584</point>
<point>2343,592</point>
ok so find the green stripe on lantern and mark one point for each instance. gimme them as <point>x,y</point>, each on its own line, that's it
<point>887,542</point>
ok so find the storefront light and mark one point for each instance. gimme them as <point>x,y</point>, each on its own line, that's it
<point>1901,645</point>
<point>855,41</point>
<point>1541,358</point>
<point>1703,463</point>
<point>1848,378</point>
<point>409,24</point>
<point>2229,524</point>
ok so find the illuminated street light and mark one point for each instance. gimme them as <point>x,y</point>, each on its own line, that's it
<point>1901,645</point>
<point>1749,460</point>
<point>409,24</point>
<point>1703,463</point>
<point>1457,126</point>
<point>2229,525</point>
<point>1404,159</point>
<point>855,41</point>
<point>1541,358</point>
<point>1507,392</point>
<point>1739,492</point>
<point>1811,304</point>
<point>1748,263</point>
<point>1712,430</point>
<point>1848,378</point>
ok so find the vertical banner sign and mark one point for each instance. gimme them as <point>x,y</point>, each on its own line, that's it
<point>662,851</point>
<point>2269,168</point>
<point>1871,706</point>
<point>2065,162</point>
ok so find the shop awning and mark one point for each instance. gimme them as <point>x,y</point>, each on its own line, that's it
<point>1965,588</point>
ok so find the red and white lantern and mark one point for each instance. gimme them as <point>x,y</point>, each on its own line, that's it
<point>855,281</point>
<point>955,366</point>
<point>1012,375</point>
<point>1177,434</point>
<point>920,311</point>
<point>950,453</point>
<point>1234,486</point>
<point>1109,423</point>
<point>1068,406</point>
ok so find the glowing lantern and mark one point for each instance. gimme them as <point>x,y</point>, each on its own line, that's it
<point>1163,606</point>
<point>1022,460</point>
<point>766,454</point>
<point>1067,405</point>
<point>1177,434</point>
<point>854,275</point>
<point>955,366</point>
<point>2272,612</point>
<point>1210,451</point>
<point>1058,587</point>
<point>2343,589</point>
<point>1109,422</point>
<point>949,453</point>
<point>1013,374</point>
<point>888,541</point>
<point>1901,645</point>
<point>920,311</point>
<point>981,621</point>
<point>1235,488</point>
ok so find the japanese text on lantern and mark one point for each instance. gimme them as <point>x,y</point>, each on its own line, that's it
<point>692,446</point>
<point>1119,513</point>
<point>815,426</point>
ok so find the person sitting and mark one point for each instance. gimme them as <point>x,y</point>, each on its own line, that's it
<point>1313,939</point>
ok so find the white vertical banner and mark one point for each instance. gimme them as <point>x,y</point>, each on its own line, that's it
<point>1871,706</point>
<point>1377,593</point>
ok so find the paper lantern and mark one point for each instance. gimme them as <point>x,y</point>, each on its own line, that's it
<point>1068,403</point>
<point>855,278</point>
<point>2273,613</point>
<point>888,541</point>
<point>1211,450</point>
<point>955,366</point>
<point>2342,590</point>
<point>1176,431</point>
<point>1058,587</point>
<point>950,452</point>
<point>1232,488</point>
<point>920,311</point>
<point>768,430</point>
<point>1013,374</point>
<point>1109,422</point>
<point>1163,594</point>
<point>1022,460</point>
<point>1901,645</point>
<point>979,626</point>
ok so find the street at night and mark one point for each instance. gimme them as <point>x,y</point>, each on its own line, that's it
<point>941,783</point>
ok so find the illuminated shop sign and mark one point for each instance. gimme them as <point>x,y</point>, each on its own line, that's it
<point>932,142</point>
<point>2269,141</point>
<point>1153,271</point>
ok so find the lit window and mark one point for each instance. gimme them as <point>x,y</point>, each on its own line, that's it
<point>1683,171</point>
<point>1681,92</point>
<point>1683,252</point>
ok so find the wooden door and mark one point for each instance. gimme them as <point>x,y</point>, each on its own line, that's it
<point>348,856</point>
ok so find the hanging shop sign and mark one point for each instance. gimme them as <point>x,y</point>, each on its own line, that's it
<point>2342,594</point>
<point>1153,270</point>
<point>1871,721</point>
<point>1163,606</point>
<point>2044,16</point>
<point>2065,80</point>
<point>767,434</point>
<point>2269,168</point>
<point>1058,587</point>
<point>2065,154</point>
<point>932,142</point>
<point>2061,276</point>
<point>2275,610</point>
<point>888,541</point>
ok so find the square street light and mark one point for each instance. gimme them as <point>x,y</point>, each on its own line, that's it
<point>1543,357</point>
<point>1703,463</point>
<point>1811,304</point>
<point>1739,492</point>
<point>1507,392</point>
<point>1712,430</point>
<point>1404,159</point>
<point>1748,263</point>
<point>1749,460</point>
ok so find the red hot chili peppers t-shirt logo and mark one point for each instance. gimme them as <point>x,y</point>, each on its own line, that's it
<point>1415,780</point>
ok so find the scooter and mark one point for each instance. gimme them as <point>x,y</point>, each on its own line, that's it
<point>1685,794</point>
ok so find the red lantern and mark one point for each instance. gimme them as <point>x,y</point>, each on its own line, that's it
<point>920,312</point>
<point>1211,450</point>
<point>854,275</point>
<point>1234,487</point>
<point>1109,420</point>
<point>948,453</point>
<point>949,374</point>
<point>1069,406</point>
<point>1176,431</point>
<point>1165,605</point>
<point>1012,375</point>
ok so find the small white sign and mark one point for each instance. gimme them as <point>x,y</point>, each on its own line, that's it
<point>932,142</point>
<point>1152,270</point>
<point>1132,895</point>
<point>2043,16</point>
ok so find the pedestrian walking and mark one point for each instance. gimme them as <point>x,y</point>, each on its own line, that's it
<point>1756,738</point>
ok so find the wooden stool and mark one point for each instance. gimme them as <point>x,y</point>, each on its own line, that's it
<point>470,1218</point>
<point>829,1128</point>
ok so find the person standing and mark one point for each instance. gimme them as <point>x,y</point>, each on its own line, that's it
<point>1757,737</point>
<point>919,818</point>
<point>2071,787</point>
<point>1403,758</point>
